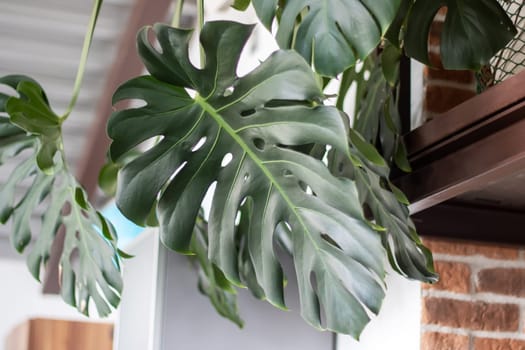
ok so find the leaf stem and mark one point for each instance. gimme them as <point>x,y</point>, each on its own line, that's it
<point>200,16</point>
<point>177,15</point>
<point>83,58</point>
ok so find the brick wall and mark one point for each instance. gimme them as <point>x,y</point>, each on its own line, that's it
<point>443,89</point>
<point>479,303</point>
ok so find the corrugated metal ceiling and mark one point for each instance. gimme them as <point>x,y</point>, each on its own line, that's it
<point>43,39</point>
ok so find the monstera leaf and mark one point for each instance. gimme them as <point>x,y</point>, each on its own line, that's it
<point>331,34</point>
<point>90,260</point>
<point>474,30</point>
<point>213,127</point>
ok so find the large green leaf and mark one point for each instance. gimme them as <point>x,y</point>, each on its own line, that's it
<point>474,30</point>
<point>89,263</point>
<point>236,132</point>
<point>331,34</point>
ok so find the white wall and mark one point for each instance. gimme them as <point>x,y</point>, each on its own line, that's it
<point>21,299</point>
<point>398,325</point>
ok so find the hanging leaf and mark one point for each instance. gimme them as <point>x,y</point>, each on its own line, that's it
<point>388,207</point>
<point>377,117</point>
<point>212,282</point>
<point>474,30</point>
<point>89,265</point>
<point>375,94</point>
<point>237,132</point>
<point>390,57</point>
<point>331,34</point>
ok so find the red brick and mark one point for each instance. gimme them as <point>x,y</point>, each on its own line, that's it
<point>461,248</point>
<point>443,11</point>
<point>507,281</point>
<point>434,36</point>
<point>498,344</point>
<point>453,276</point>
<point>471,315</point>
<point>444,341</point>
<point>457,76</point>
<point>441,98</point>
<point>435,60</point>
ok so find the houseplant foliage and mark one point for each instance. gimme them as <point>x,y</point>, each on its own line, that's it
<point>288,168</point>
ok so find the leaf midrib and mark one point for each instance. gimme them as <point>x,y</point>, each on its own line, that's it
<point>260,164</point>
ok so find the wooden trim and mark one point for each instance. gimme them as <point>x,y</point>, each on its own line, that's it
<point>465,116</point>
<point>476,142</point>
<point>463,221</point>
<point>47,334</point>
<point>125,66</point>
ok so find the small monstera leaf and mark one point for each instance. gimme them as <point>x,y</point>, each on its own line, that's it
<point>331,34</point>
<point>214,127</point>
<point>474,30</point>
<point>89,265</point>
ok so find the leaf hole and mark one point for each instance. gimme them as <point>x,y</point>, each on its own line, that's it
<point>287,173</point>
<point>178,170</point>
<point>238,218</point>
<point>330,240</point>
<point>66,209</point>
<point>259,143</point>
<point>313,281</point>
<point>246,177</point>
<point>367,211</point>
<point>175,173</point>
<point>306,189</point>
<point>283,233</point>
<point>303,185</point>
<point>383,182</point>
<point>74,260</point>
<point>8,90</point>
<point>228,157</point>
<point>199,144</point>
<point>248,112</point>
<point>154,42</point>
<point>135,103</point>
<point>228,91</point>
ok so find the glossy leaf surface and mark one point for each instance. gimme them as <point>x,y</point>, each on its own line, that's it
<point>331,34</point>
<point>474,30</point>
<point>237,133</point>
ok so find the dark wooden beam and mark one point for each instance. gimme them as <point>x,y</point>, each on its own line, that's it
<point>474,223</point>
<point>125,66</point>
<point>479,141</point>
<point>473,114</point>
